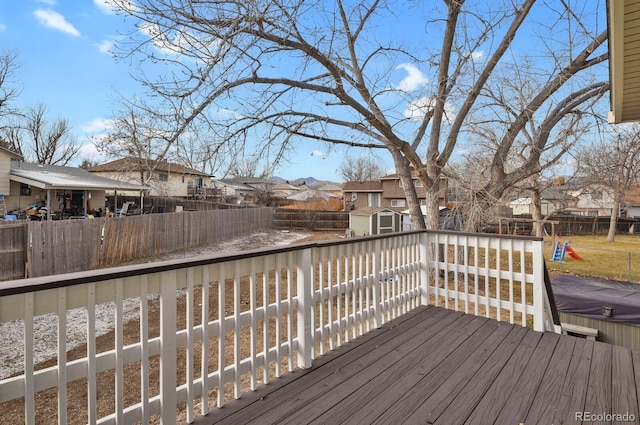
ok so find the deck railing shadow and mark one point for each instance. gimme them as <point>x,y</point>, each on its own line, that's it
<point>207,329</point>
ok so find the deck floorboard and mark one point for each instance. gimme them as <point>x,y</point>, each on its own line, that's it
<point>435,366</point>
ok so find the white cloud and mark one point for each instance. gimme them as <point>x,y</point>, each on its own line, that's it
<point>318,153</point>
<point>98,125</point>
<point>54,20</point>
<point>105,46</point>
<point>417,109</point>
<point>414,79</point>
<point>476,56</point>
<point>3,27</point>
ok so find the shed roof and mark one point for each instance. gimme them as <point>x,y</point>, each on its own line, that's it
<point>59,177</point>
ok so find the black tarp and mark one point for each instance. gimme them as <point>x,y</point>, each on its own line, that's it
<point>592,298</point>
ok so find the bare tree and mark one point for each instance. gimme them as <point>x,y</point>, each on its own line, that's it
<point>362,168</point>
<point>40,140</point>
<point>9,90</point>
<point>614,163</point>
<point>336,85</point>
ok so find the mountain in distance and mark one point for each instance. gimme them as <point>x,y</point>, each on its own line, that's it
<point>309,181</point>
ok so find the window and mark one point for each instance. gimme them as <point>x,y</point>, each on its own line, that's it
<point>163,177</point>
<point>182,179</point>
<point>418,183</point>
<point>423,202</point>
<point>398,203</point>
<point>354,196</point>
<point>25,189</point>
<point>374,199</point>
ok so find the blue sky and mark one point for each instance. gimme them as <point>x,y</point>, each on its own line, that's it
<point>63,49</point>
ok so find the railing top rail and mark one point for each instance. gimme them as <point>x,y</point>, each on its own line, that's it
<point>13,287</point>
<point>20,286</point>
<point>489,235</point>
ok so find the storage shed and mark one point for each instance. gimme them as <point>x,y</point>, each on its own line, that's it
<point>374,221</point>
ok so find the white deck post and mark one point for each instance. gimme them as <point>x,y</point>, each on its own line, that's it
<point>424,268</point>
<point>168,345</point>
<point>538,286</point>
<point>305,299</point>
<point>377,303</point>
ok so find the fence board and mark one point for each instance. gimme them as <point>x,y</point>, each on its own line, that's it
<point>67,246</point>
<point>312,220</point>
<point>12,251</point>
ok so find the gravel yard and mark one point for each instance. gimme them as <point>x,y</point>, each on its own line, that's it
<point>45,327</point>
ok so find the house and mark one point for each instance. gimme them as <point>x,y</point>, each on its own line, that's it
<point>164,178</point>
<point>245,189</point>
<point>385,193</point>
<point>331,188</point>
<point>57,188</point>
<point>282,190</point>
<point>552,199</point>
<point>624,69</point>
<point>6,158</point>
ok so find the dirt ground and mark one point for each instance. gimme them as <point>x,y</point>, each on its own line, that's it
<point>46,401</point>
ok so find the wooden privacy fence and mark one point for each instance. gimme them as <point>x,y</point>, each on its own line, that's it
<point>13,250</point>
<point>67,246</point>
<point>310,219</point>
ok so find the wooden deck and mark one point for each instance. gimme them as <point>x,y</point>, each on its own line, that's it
<point>435,366</point>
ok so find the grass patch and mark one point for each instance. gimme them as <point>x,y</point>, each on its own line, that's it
<point>619,260</point>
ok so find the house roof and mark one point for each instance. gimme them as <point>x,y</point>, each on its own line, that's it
<point>624,68</point>
<point>367,186</point>
<point>135,164</point>
<point>330,187</point>
<point>235,184</point>
<point>307,194</point>
<point>58,177</point>
<point>10,152</point>
<point>372,210</point>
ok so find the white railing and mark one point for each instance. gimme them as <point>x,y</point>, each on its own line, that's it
<point>259,313</point>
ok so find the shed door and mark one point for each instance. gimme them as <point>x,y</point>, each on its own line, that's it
<point>386,222</point>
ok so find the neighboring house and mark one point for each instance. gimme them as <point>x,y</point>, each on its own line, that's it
<point>165,178</point>
<point>59,187</point>
<point>6,158</point>
<point>591,200</point>
<point>334,189</point>
<point>632,202</point>
<point>384,193</point>
<point>358,195</point>
<point>552,199</point>
<point>282,190</point>
<point>311,195</point>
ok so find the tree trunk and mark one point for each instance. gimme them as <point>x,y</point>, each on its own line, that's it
<point>613,223</point>
<point>403,168</point>
<point>536,214</point>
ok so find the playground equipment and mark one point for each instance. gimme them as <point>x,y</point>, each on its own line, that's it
<point>560,250</point>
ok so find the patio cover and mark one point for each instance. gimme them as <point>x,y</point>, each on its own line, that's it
<point>69,178</point>
<point>587,296</point>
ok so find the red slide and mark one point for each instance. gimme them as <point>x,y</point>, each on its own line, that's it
<point>573,254</point>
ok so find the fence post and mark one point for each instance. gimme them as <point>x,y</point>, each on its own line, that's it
<point>538,286</point>
<point>305,300</point>
<point>424,268</point>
